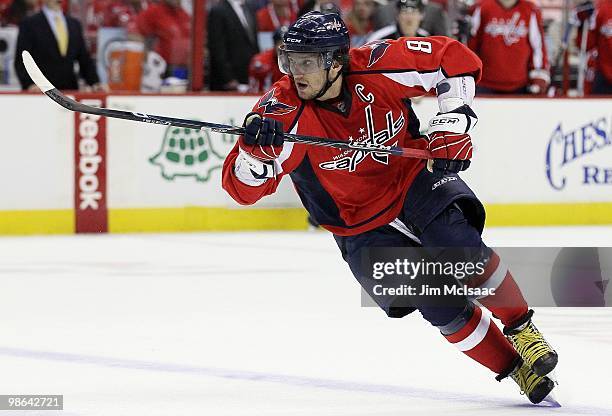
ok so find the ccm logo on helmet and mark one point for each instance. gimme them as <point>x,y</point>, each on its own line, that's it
<point>293,40</point>
<point>440,121</point>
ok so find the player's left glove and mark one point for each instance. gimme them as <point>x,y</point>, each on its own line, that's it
<point>263,137</point>
<point>449,141</point>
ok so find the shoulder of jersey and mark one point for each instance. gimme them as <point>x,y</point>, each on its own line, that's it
<point>395,54</point>
<point>373,55</point>
<point>280,102</point>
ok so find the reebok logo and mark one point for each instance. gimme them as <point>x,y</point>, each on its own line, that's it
<point>89,161</point>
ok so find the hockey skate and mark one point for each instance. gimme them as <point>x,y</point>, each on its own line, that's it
<point>531,346</point>
<point>537,388</point>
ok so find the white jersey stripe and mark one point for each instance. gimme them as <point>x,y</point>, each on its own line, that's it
<point>475,21</point>
<point>536,41</point>
<point>427,80</point>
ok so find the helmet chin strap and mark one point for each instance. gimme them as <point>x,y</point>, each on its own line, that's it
<point>328,84</point>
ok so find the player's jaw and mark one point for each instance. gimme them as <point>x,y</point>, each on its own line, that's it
<point>309,85</point>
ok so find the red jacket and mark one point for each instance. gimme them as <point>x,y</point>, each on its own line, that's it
<point>264,71</point>
<point>268,21</point>
<point>510,43</point>
<point>171,26</point>
<point>600,37</point>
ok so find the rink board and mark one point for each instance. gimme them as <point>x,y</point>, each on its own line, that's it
<point>537,162</point>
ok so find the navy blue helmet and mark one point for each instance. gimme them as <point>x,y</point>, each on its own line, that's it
<point>317,32</point>
<point>324,34</point>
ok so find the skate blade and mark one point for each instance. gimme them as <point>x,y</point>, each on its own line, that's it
<point>550,401</point>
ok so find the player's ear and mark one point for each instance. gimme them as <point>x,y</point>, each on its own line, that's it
<point>336,66</point>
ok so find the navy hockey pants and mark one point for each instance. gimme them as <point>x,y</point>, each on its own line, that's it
<point>457,222</point>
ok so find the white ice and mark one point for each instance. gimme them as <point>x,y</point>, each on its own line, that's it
<point>256,324</point>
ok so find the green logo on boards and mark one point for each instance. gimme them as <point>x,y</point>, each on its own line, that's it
<point>187,152</point>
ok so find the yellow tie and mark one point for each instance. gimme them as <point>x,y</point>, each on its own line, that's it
<point>62,34</point>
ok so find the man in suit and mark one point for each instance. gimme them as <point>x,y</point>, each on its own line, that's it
<point>232,41</point>
<point>56,42</point>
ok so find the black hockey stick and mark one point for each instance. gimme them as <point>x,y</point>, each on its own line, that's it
<point>46,87</point>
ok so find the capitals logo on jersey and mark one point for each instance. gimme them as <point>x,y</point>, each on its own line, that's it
<point>271,105</point>
<point>350,159</point>
<point>377,50</point>
<point>512,30</point>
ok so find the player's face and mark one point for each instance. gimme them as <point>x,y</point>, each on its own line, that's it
<point>309,85</point>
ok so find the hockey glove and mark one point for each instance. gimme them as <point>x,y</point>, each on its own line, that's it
<point>449,141</point>
<point>263,137</point>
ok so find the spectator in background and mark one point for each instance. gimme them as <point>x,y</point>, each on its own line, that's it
<point>118,13</point>
<point>18,10</point>
<point>407,22</point>
<point>4,5</point>
<point>340,7</point>
<point>359,21</point>
<point>263,70</point>
<point>232,42</point>
<point>434,18</point>
<point>599,43</point>
<point>56,43</point>
<point>276,14</point>
<point>166,28</point>
<point>508,36</point>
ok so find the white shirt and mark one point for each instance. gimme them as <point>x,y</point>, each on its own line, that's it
<point>237,6</point>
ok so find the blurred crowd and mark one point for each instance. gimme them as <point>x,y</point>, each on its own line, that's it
<point>147,43</point>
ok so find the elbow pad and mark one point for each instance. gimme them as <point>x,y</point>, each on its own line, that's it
<point>455,92</point>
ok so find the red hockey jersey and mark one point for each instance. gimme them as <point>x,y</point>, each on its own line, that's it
<point>263,71</point>
<point>510,43</point>
<point>347,191</point>
<point>601,33</point>
<point>269,21</point>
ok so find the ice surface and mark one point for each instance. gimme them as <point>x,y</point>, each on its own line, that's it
<point>256,324</point>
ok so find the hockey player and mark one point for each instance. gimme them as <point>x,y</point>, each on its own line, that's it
<point>375,200</point>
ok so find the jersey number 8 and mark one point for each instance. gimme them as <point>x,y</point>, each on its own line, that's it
<point>419,45</point>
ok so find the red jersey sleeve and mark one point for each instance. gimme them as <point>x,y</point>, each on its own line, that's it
<point>145,21</point>
<point>280,103</point>
<point>539,58</point>
<point>417,62</point>
<point>476,30</point>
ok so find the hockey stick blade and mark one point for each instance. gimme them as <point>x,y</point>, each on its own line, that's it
<point>50,91</point>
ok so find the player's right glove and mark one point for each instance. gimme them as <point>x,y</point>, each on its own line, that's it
<point>263,137</point>
<point>449,141</point>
